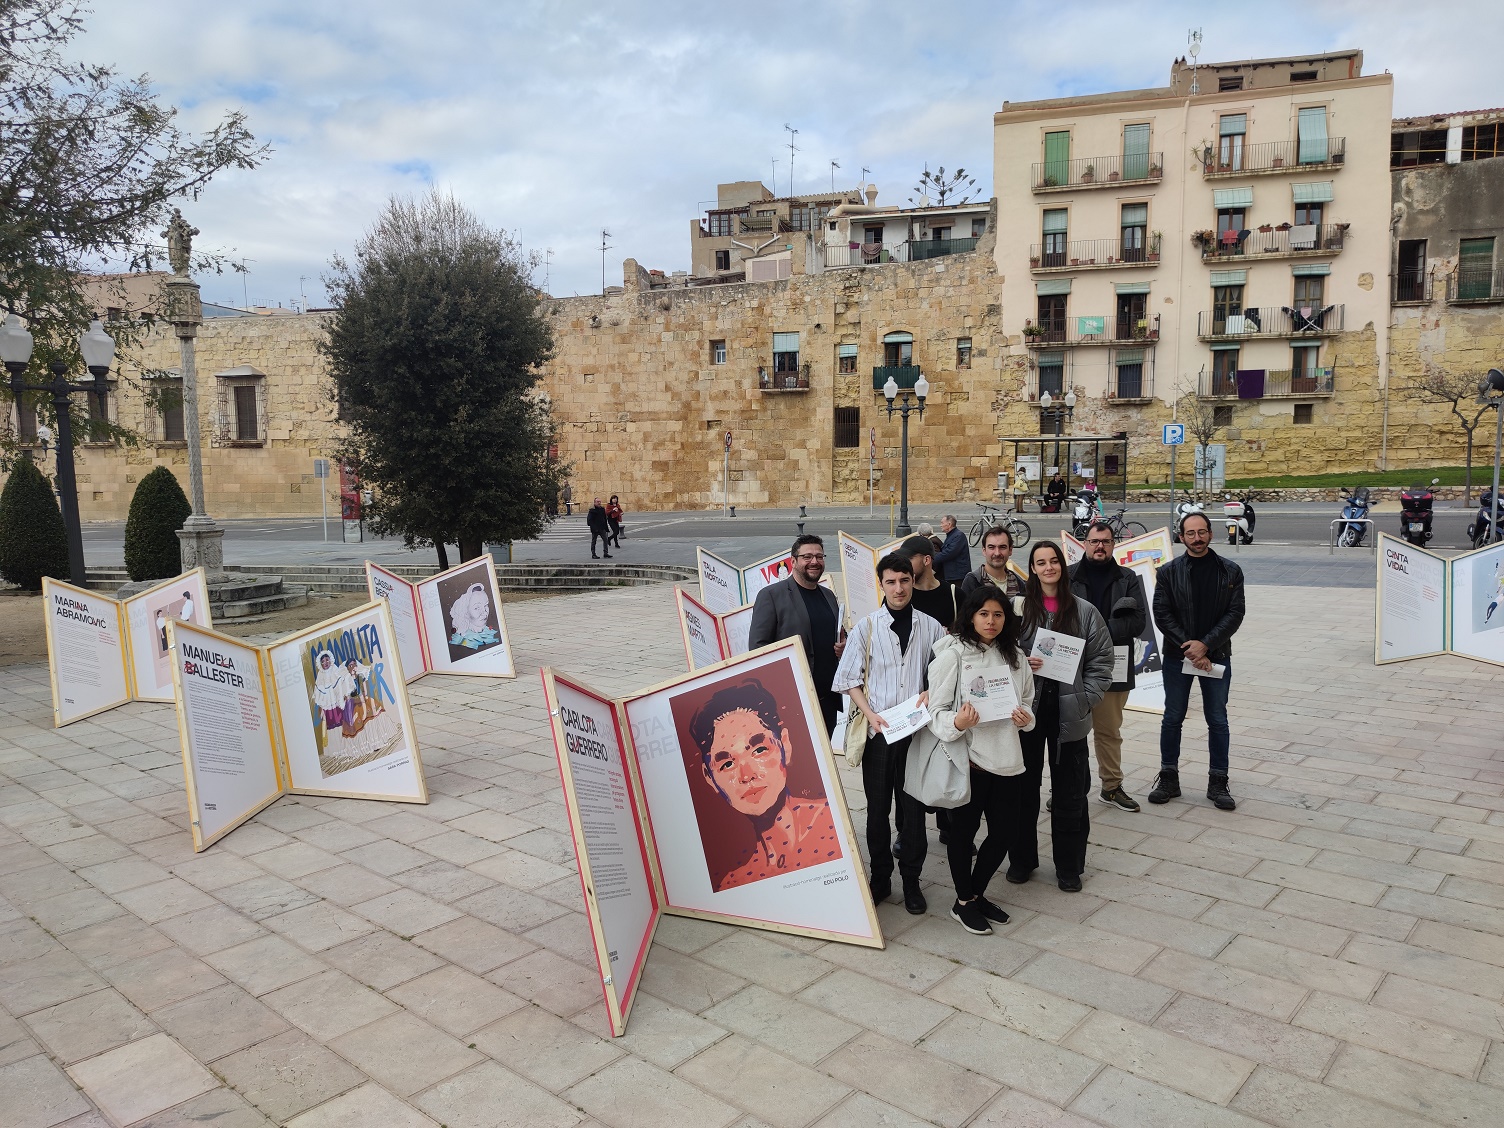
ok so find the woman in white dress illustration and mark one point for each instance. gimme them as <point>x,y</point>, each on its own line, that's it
<point>332,687</point>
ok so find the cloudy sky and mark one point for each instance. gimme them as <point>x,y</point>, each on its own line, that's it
<point>554,118</point>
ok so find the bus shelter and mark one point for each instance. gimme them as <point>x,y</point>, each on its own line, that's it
<point>1090,461</point>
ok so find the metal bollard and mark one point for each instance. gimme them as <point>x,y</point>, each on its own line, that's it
<point>802,513</point>
<point>733,511</point>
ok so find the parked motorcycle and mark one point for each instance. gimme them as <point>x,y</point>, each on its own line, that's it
<point>1087,508</point>
<point>1479,530</point>
<point>1239,515</point>
<point>1355,507</point>
<point>1182,510</point>
<point>1415,513</point>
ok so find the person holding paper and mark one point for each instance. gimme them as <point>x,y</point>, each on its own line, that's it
<point>978,681</point>
<point>885,663</point>
<point>1062,712</point>
<point>1198,605</point>
<point>1118,593</point>
<point>798,606</point>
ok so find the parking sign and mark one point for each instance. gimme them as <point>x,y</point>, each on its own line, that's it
<point>1174,434</point>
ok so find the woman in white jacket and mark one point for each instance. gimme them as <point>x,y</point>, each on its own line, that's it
<point>979,670</point>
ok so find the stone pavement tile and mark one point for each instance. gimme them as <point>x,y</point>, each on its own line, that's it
<point>1338,886</point>
<point>687,981</point>
<point>265,896</point>
<point>1018,1061</point>
<point>1080,941</point>
<point>489,1096</point>
<point>292,815</point>
<point>1384,1030</point>
<point>15,1044</point>
<point>1019,1110</point>
<point>1040,895</point>
<point>296,859</point>
<point>1224,887</point>
<point>366,1107</point>
<point>554,983</point>
<point>772,1087</point>
<point>473,944</point>
<point>1199,854</point>
<point>124,873</point>
<point>219,1022</point>
<point>404,1053</point>
<point>336,836</point>
<point>220,1108</point>
<point>44,981</point>
<point>634,1094</point>
<point>346,884</point>
<point>1250,991</point>
<point>1122,1100</point>
<point>544,1048</point>
<point>1321,939</point>
<point>1293,1102</point>
<point>70,911</point>
<point>27,887</point>
<point>911,1079</point>
<point>96,849</point>
<point>1444,970</point>
<point>1294,966</point>
<point>1096,987</point>
<point>1378,870</point>
<point>381,960</point>
<point>1464,865</point>
<point>405,827</point>
<point>288,1074</point>
<point>455,1001</point>
<point>213,871</point>
<point>319,926</point>
<point>1232,841</point>
<point>104,945</point>
<point>569,936</point>
<point>253,838</point>
<point>1456,941</point>
<point>406,912</point>
<point>162,978</point>
<point>876,1005</point>
<point>141,1078</point>
<point>1157,928</point>
<point>1248,1035</point>
<point>329,1004</point>
<point>385,857</point>
<point>657,1032</point>
<point>1197,1070</point>
<point>22,940</point>
<point>1414,1088</point>
<point>83,1027</point>
<point>1457,1009</point>
<point>444,881</point>
<point>1006,1002</point>
<point>265,964</point>
<point>519,870</point>
<point>797,1030</point>
<point>459,848</point>
<point>861,1111</point>
<point>169,898</point>
<point>1404,835</point>
<point>1357,845</point>
<point>1487,891</point>
<point>210,929</point>
<point>34,1093</point>
<point>1344,914</point>
<point>899,964</point>
<point>766,961</point>
<point>512,909</point>
<point>550,845</point>
<point>1447,910</point>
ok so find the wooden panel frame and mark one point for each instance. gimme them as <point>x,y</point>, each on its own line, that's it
<point>1452,603</point>
<point>701,554</point>
<point>121,627</point>
<point>1378,602</point>
<point>723,645</point>
<point>412,590</point>
<point>194,575</point>
<point>489,562</point>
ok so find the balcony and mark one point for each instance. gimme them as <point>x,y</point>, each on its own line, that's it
<point>1098,172</point>
<point>1412,287</point>
<point>837,257</point>
<point>1265,322</point>
<point>1309,240</point>
<point>1274,157</point>
<point>904,375</point>
<point>1128,385</point>
<point>1090,254</point>
<point>1137,332</point>
<point>1478,286</point>
<point>1266,384</point>
<point>794,381</point>
<point>938,248</point>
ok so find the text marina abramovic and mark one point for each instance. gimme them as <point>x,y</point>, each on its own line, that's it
<point>201,662</point>
<point>67,607</point>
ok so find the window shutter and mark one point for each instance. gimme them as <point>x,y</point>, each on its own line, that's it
<point>844,350</point>
<point>1232,198</point>
<point>785,342</point>
<point>1312,133</point>
<point>1130,356</point>
<point>1317,192</point>
<point>1055,220</point>
<point>1313,270</point>
<point>1057,156</point>
<point>898,338</point>
<point>1135,152</point>
<point>1135,215</point>
<point>1229,278</point>
<point>1052,286</point>
<point>1234,124</point>
<point>1133,287</point>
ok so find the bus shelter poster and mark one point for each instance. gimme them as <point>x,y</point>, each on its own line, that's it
<point>1478,604</point>
<point>1410,613</point>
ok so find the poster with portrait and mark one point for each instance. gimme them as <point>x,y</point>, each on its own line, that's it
<point>401,598</point>
<point>186,599</point>
<point>464,632</point>
<point>1147,656</point>
<point>864,594</point>
<point>620,888</point>
<point>700,629</point>
<point>1410,602</point>
<point>1477,604</point>
<point>720,582</point>
<point>86,651</point>
<point>1154,546</point>
<point>757,576</point>
<point>736,629</point>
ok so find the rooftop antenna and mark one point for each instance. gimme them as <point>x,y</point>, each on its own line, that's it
<point>302,294</point>
<point>605,246</point>
<point>775,175</point>
<point>863,184</point>
<point>245,289</point>
<point>792,150</point>
<point>833,166</point>
<point>1194,37</point>
<point>548,257</point>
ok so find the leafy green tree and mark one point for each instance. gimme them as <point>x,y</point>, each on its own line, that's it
<point>32,541</point>
<point>158,509</point>
<point>436,352</point>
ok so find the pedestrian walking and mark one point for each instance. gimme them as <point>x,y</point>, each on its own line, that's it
<point>600,529</point>
<point>614,515</point>
<point>798,607</point>
<point>1062,712</point>
<point>568,496</point>
<point>1198,605</point>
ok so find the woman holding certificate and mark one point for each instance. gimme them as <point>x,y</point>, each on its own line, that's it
<point>978,679</point>
<point>1070,654</point>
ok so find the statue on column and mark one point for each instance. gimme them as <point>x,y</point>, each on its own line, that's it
<point>179,236</point>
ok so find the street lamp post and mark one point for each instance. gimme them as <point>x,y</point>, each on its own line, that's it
<point>905,407</point>
<point>1045,400</point>
<point>99,353</point>
<point>1494,382</point>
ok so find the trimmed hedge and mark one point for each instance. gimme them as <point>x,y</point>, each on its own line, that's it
<point>33,543</point>
<point>158,510</point>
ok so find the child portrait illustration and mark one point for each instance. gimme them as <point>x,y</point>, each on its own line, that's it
<point>471,623</point>
<point>350,687</point>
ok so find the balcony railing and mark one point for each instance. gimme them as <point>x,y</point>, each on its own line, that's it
<point>1266,384</point>
<point>938,248</point>
<point>1275,157</point>
<point>1139,331</point>
<point>1475,285</point>
<point>1130,384</point>
<point>770,381</point>
<point>1412,287</point>
<point>1285,241</point>
<point>1091,253</point>
<point>904,375</point>
<point>864,254</point>
<point>1270,321</point>
<point>1098,172</point>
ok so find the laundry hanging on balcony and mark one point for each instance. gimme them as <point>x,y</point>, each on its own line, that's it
<point>1251,383</point>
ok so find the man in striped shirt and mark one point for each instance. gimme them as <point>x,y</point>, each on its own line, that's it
<point>885,663</point>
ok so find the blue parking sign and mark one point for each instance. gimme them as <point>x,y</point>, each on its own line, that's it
<point>1174,435</point>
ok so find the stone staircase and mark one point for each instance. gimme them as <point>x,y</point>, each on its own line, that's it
<point>241,597</point>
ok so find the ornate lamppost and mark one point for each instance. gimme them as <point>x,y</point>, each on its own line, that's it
<point>905,407</point>
<point>1045,400</point>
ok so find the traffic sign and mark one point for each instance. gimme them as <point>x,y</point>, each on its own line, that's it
<point>728,440</point>
<point>1174,435</point>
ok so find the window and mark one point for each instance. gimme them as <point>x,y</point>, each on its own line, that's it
<point>1133,317</point>
<point>26,419</point>
<point>1308,213</point>
<point>720,223</point>
<point>1310,291</point>
<point>1475,269</point>
<point>1057,158</point>
<point>171,402</point>
<point>1231,128</point>
<point>1222,416</point>
<point>832,226</point>
<point>1135,227</point>
<point>1227,301</point>
<point>1303,413</point>
<point>845,358</point>
<point>1311,129</point>
<point>1234,220</point>
<point>717,352</point>
<point>1130,373</point>
<point>1418,147</point>
<point>1052,375</point>
<point>940,234</point>
<point>1055,223</point>
<point>723,260</point>
<point>1479,142</point>
<point>1305,368</point>
<point>98,407</point>
<point>1302,76</point>
<point>1136,152</point>
<point>1410,271</point>
<point>1230,82</point>
<point>1052,317</point>
<point>978,228</point>
<point>786,352</point>
<point>246,430</point>
<point>1225,372</point>
<point>872,235</point>
<point>767,213</point>
<point>963,353</point>
<point>898,349</point>
<point>848,428</point>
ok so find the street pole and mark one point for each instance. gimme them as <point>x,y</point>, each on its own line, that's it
<point>726,480</point>
<point>67,483</point>
<point>921,389</point>
<point>903,479</point>
<point>1173,451</point>
<point>871,467</point>
<point>1498,443</point>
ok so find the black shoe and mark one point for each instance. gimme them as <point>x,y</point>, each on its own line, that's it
<point>593,556</point>
<point>913,899</point>
<point>991,911</point>
<point>1118,798</point>
<point>1216,791</point>
<point>1015,878</point>
<point>970,917</point>
<point>1071,884</point>
<point>1166,786</point>
<point>945,838</point>
<point>881,888</point>
<point>608,556</point>
<point>898,846</point>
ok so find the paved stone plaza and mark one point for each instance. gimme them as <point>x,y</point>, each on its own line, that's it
<point>1331,954</point>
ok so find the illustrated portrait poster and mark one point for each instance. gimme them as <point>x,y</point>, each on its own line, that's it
<point>1478,604</point>
<point>1147,657</point>
<point>186,599</point>
<point>464,630</point>
<point>757,576</point>
<point>401,598</point>
<point>1154,546</point>
<point>720,582</point>
<point>750,824</point>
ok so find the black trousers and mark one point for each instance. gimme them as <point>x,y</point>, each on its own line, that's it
<point>616,532</point>
<point>999,799</point>
<point>830,712</point>
<point>882,780</point>
<point>1070,783</point>
<point>603,537</point>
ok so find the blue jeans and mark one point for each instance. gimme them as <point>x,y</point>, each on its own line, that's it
<point>1213,705</point>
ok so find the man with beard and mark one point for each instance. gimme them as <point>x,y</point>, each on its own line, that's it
<point>799,607</point>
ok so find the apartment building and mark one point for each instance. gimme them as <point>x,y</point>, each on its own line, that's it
<point>746,236</point>
<point>1226,236</point>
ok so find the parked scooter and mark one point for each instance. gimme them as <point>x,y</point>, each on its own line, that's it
<point>1355,507</point>
<point>1182,510</point>
<point>1240,517</point>
<point>1415,513</point>
<point>1087,509</point>
<point>1479,530</point>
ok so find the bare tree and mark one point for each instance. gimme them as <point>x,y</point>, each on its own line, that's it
<point>1459,391</point>
<point>1200,419</point>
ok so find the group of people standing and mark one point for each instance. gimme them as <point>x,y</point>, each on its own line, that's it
<point>944,630</point>
<point>605,523</point>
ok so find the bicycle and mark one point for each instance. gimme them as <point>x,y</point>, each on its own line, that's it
<point>991,517</point>
<point>1123,530</point>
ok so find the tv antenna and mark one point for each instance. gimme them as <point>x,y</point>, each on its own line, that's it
<point>245,289</point>
<point>792,132</point>
<point>605,246</point>
<point>833,166</point>
<point>548,257</point>
<point>1194,37</point>
<point>302,294</point>
<point>775,175</point>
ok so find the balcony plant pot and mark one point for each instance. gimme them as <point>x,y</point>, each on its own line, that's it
<point>1155,172</point>
<point>1034,261</point>
<point>1113,176</point>
<point>1283,227</point>
<point>1279,162</point>
<point>1075,262</point>
<point>1265,228</point>
<point>1089,175</point>
<point>1153,256</point>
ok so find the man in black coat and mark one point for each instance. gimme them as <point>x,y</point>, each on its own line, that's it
<point>600,528</point>
<point>953,560</point>
<point>800,607</point>
<point>1118,593</point>
<point>1198,606</point>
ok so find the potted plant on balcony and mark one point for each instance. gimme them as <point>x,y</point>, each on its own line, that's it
<point>1265,228</point>
<point>1205,240</point>
<point>1277,162</point>
<point>1156,239</point>
<point>1089,174</point>
<point>1033,261</point>
<point>1283,227</point>
<point>1032,331</point>
<point>1155,172</point>
<point>1114,175</point>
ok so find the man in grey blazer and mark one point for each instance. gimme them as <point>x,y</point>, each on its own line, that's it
<point>800,607</point>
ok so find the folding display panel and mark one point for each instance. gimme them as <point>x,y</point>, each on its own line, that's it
<point>1154,546</point>
<point>1410,602</point>
<point>103,652</point>
<point>757,576</point>
<point>1148,654</point>
<point>720,582</point>
<point>1476,600</point>
<point>450,623</point>
<point>864,594</point>
<point>700,629</point>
